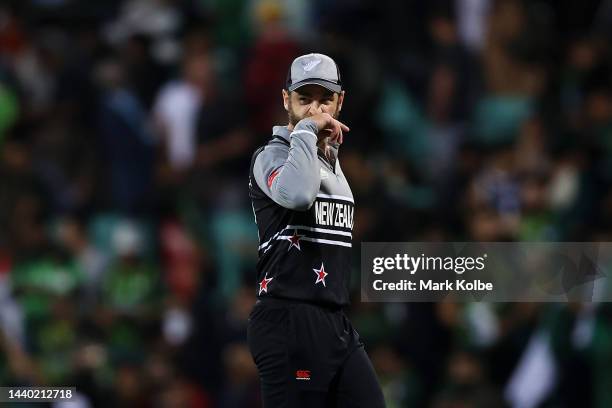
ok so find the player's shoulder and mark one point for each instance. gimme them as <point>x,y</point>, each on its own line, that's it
<point>273,149</point>
<point>264,157</point>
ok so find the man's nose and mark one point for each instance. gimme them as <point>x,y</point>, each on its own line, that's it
<point>317,108</point>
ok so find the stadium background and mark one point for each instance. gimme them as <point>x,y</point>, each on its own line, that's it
<point>127,243</point>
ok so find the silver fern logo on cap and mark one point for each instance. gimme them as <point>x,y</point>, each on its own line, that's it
<point>309,66</point>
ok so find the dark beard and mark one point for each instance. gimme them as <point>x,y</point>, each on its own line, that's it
<point>293,118</point>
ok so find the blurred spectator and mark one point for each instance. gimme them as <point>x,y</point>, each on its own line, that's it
<point>177,106</point>
<point>131,284</point>
<point>242,386</point>
<point>401,386</point>
<point>126,141</point>
<point>90,260</point>
<point>265,69</point>
<point>466,385</point>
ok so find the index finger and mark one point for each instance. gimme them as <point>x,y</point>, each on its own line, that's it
<point>343,126</point>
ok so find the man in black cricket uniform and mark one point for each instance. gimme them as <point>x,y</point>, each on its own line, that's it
<point>306,350</point>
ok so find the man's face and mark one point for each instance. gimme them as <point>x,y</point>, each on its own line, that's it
<point>310,100</point>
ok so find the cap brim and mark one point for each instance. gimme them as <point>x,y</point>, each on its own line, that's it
<point>321,82</point>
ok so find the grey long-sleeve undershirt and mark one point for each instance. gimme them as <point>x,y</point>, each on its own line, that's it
<point>290,175</point>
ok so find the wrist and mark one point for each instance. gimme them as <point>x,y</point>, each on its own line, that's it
<point>308,125</point>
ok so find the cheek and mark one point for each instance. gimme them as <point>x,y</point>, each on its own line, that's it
<point>300,109</point>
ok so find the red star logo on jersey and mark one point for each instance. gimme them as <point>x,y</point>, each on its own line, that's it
<point>263,285</point>
<point>321,274</point>
<point>295,241</point>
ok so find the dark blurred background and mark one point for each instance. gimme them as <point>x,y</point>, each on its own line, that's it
<point>127,241</point>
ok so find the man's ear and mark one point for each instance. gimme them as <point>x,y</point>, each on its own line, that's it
<point>286,100</point>
<point>340,100</point>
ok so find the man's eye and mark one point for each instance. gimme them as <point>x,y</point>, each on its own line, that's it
<point>303,100</point>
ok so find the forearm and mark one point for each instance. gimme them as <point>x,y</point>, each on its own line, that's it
<point>294,182</point>
<point>299,179</point>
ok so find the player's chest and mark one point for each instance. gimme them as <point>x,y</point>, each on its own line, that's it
<point>334,205</point>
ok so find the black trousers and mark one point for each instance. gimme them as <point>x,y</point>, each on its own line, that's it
<point>310,356</point>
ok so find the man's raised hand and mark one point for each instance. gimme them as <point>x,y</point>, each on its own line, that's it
<point>329,127</point>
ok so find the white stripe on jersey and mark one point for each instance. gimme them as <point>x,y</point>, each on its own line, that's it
<point>323,230</point>
<point>303,131</point>
<point>336,197</point>
<point>304,227</point>
<point>319,240</point>
<point>265,244</point>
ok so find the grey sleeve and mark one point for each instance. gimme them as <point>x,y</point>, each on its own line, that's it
<point>291,175</point>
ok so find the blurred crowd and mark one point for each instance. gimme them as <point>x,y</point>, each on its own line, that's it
<point>127,240</point>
